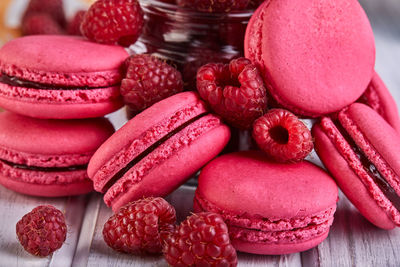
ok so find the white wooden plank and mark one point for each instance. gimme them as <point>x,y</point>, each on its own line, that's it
<point>353,241</point>
<point>13,206</point>
<point>87,230</point>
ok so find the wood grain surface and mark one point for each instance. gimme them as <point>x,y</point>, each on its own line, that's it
<point>352,241</point>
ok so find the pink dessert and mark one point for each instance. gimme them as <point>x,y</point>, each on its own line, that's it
<point>316,56</point>
<point>48,157</point>
<point>378,97</point>
<point>60,77</point>
<point>269,207</point>
<point>362,150</point>
<point>157,150</point>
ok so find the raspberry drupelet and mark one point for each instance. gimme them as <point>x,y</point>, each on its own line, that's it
<point>113,21</point>
<point>281,135</point>
<point>201,240</point>
<point>148,80</point>
<point>236,91</point>
<point>42,231</point>
<point>140,226</point>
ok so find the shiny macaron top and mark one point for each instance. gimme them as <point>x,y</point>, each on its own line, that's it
<point>316,57</point>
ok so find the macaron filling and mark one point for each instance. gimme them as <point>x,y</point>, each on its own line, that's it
<point>44,169</point>
<point>258,229</point>
<point>143,139</point>
<point>172,147</point>
<point>150,149</point>
<point>18,82</point>
<point>371,169</point>
<point>390,178</point>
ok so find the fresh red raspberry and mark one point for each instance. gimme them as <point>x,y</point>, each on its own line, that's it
<point>139,226</point>
<point>52,8</point>
<point>113,21</point>
<point>202,54</point>
<point>148,80</point>
<point>214,6</point>
<point>281,135</point>
<point>236,91</point>
<point>74,25</point>
<point>40,23</point>
<point>201,240</point>
<point>42,231</point>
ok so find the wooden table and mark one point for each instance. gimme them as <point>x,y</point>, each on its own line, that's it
<point>352,240</point>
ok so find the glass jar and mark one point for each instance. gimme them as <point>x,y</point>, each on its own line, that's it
<point>189,39</point>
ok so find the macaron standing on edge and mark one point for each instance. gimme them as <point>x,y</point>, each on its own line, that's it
<point>48,157</point>
<point>60,77</point>
<point>361,150</point>
<point>157,150</point>
<point>304,48</point>
<point>270,208</point>
<point>378,97</point>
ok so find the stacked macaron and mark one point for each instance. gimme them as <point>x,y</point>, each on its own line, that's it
<point>54,89</point>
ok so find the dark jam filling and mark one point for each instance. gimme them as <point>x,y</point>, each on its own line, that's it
<point>150,149</point>
<point>15,81</point>
<point>44,169</point>
<point>371,169</point>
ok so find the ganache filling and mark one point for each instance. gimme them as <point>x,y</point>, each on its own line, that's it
<point>44,169</point>
<point>371,169</point>
<point>150,149</point>
<point>15,81</point>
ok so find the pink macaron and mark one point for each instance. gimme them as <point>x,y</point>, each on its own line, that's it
<point>270,208</point>
<point>157,150</point>
<point>48,157</point>
<point>378,97</point>
<point>315,56</point>
<point>362,151</point>
<point>60,77</point>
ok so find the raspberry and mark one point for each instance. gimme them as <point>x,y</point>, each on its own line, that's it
<point>236,91</point>
<point>139,226</point>
<point>201,240</point>
<point>42,231</point>
<point>52,8</point>
<point>214,6</point>
<point>149,80</point>
<point>281,135</point>
<point>74,26</point>
<point>40,23</point>
<point>199,56</point>
<point>112,21</point>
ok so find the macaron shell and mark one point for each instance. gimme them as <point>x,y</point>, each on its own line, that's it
<point>58,110</point>
<point>316,57</point>
<point>171,173</point>
<point>378,97</point>
<point>383,145</point>
<point>348,181</point>
<point>278,249</point>
<point>47,190</point>
<point>271,190</point>
<point>185,105</point>
<point>65,60</point>
<point>52,137</point>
